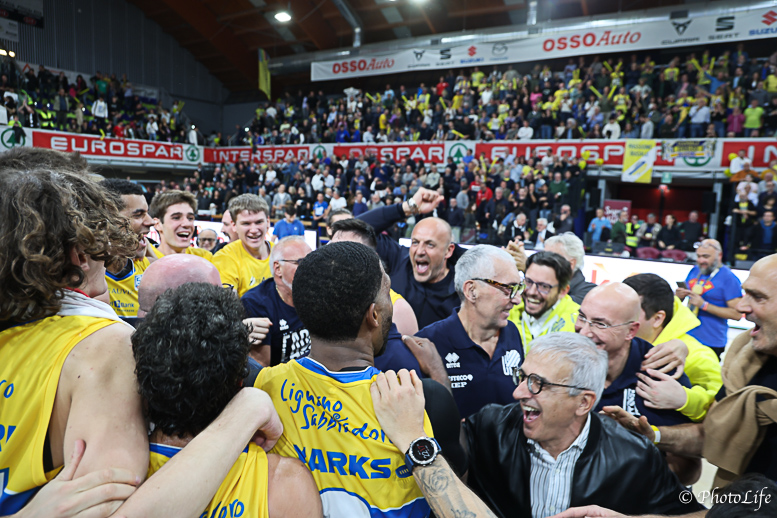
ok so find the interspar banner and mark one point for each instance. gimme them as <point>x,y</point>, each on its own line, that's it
<point>631,36</point>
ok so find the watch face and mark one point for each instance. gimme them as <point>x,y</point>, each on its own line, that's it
<point>423,450</point>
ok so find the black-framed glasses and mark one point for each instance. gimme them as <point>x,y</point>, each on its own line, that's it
<point>511,290</point>
<point>296,262</point>
<point>542,287</point>
<point>599,325</point>
<point>228,286</point>
<point>535,382</point>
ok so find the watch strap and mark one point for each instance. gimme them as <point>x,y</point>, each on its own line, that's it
<point>411,463</point>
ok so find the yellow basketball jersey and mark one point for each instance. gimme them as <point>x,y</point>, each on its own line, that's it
<point>243,492</point>
<point>239,268</point>
<point>124,289</point>
<point>193,250</point>
<point>330,425</point>
<point>31,360</point>
<point>395,296</point>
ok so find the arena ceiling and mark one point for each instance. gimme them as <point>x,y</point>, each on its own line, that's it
<point>225,34</point>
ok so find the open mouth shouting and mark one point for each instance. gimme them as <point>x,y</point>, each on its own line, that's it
<point>530,413</point>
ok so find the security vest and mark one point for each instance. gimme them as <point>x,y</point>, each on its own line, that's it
<point>561,317</point>
<point>631,235</point>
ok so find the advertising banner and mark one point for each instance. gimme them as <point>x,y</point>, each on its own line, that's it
<point>632,35</point>
<point>90,145</point>
<point>613,208</point>
<point>638,160</point>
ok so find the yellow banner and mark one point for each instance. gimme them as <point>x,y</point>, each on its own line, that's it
<point>638,160</point>
<point>264,73</point>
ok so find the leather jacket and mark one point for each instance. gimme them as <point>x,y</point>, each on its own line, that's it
<point>618,469</point>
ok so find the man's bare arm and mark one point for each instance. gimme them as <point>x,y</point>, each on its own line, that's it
<point>399,407</point>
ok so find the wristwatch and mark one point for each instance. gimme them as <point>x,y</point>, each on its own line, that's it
<point>413,206</point>
<point>422,452</point>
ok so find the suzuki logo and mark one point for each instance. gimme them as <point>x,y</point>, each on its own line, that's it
<point>472,51</point>
<point>681,27</point>
<point>769,18</point>
<point>418,54</point>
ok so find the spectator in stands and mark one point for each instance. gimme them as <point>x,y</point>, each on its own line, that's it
<point>691,232</point>
<point>207,239</point>
<point>359,206</point>
<point>713,292</point>
<point>478,342</point>
<point>526,132</point>
<point>320,208</point>
<point>668,238</point>
<point>762,240</point>
<point>571,248</point>
<point>289,225</point>
<point>518,231</point>
<point>648,232</point>
<point>598,225</point>
<point>618,234</point>
<point>612,129</point>
<point>552,434</point>
<point>541,233</point>
<point>564,222</point>
<point>700,118</point>
<point>754,115</point>
<point>455,218</point>
<point>279,201</point>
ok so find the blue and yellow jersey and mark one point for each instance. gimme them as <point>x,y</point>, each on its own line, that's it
<point>239,268</point>
<point>243,492</point>
<point>123,288</point>
<point>330,425</point>
<point>193,250</point>
<point>31,360</point>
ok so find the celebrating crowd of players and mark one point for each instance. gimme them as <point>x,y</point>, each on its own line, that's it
<point>362,378</point>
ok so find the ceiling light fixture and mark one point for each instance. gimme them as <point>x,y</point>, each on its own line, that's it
<point>283,16</point>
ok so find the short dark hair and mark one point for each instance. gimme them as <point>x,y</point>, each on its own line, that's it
<point>359,227</point>
<point>337,212</point>
<point>188,372</point>
<point>655,292</point>
<point>346,276</point>
<point>559,263</point>
<point>290,210</point>
<point>746,492</point>
<point>120,188</point>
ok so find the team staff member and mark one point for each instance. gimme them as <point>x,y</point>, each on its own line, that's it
<point>124,278</point>
<point>174,214</point>
<point>246,263</point>
<point>184,394</point>
<point>545,303</point>
<point>663,318</point>
<point>571,248</point>
<point>273,299</point>
<point>479,345</point>
<point>324,399</point>
<point>713,292</point>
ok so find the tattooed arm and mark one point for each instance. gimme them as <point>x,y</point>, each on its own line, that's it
<point>398,400</point>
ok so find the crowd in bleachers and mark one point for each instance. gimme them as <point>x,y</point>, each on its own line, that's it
<point>694,95</point>
<point>103,105</point>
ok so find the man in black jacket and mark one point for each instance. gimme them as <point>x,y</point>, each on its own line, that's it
<point>549,451</point>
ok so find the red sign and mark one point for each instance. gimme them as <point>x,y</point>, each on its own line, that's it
<point>609,151</point>
<point>426,152</point>
<point>89,145</point>
<point>760,153</point>
<point>590,39</point>
<point>613,208</point>
<point>263,155</point>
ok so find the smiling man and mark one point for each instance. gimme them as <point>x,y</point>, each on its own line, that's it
<point>246,262</point>
<point>174,212</point>
<point>549,450</point>
<point>545,303</point>
<point>479,345</point>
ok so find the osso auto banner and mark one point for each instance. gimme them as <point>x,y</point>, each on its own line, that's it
<point>632,35</point>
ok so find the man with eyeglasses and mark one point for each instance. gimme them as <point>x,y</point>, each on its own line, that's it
<point>545,306</point>
<point>550,450</point>
<point>208,239</point>
<point>478,344</point>
<point>610,317</point>
<point>287,338</point>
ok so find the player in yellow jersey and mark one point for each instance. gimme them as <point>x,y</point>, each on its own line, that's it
<point>124,278</point>
<point>187,377</point>
<point>324,400</point>
<point>174,214</point>
<point>246,263</point>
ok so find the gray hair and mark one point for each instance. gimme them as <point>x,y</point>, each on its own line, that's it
<point>542,220</point>
<point>588,362</point>
<point>572,245</point>
<point>277,251</point>
<point>478,261</point>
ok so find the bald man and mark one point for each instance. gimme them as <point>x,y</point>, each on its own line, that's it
<point>174,270</point>
<point>713,293</point>
<point>423,274</point>
<point>609,316</point>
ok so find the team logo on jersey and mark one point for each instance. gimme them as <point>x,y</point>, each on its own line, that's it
<point>252,281</point>
<point>453,361</point>
<point>283,325</point>
<point>630,402</point>
<point>137,280</point>
<point>510,360</point>
<point>558,325</point>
